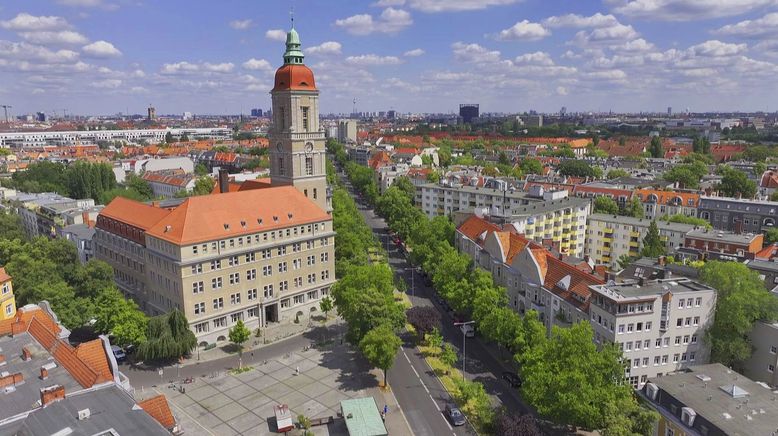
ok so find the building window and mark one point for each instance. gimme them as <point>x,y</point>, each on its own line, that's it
<point>234,278</point>
<point>686,339</point>
<point>216,264</point>
<point>696,320</point>
<point>305,118</point>
<point>677,340</point>
<point>282,249</point>
<point>698,302</point>
<point>773,349</point>
<point>676,357</point>
<point>199,308</point>
<point>630,328</point>
<point>770,368</point>
<point>621,329</point>
<point>268,291</point>
<point>235,298</point>
<point>267,270</point>
<point>679,322</point>
<point>325,274</point>
<point>664,359</point>
<point>647,326</point>
<point>251,274</point>
<point>220,322</point>
<point>299,299</point>
<point>252,294</point>
<point>216,283</point>
<point>198,288</point>
<point>250,257</point>
<point>688,322</point>
<point>628,346</point>
<point>252,312</point>
<point>681,303</point>
<point>284,303</point>
<point>308,166</point>
<point>218,303</point>
<point>282,267</point>
<point>201,327</point>
<point>233,260</point>
<point>197,269</point>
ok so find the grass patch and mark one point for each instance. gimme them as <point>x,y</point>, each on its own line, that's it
<point>402,298</point>
<point>236,371</point>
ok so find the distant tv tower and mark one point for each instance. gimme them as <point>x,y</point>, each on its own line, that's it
<point>354,109</point>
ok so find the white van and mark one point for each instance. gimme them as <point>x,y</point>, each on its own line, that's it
<point>468,330</point>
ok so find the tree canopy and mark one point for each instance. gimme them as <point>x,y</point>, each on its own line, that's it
<point>741,300</point>
<point>606,205</point>
<point>379,346</point>
<point>735,183</point>
<point>653,246</point>
<point>577,168</point>
<point>168,338</point>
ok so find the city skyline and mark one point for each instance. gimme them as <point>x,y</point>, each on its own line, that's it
<point>102,57</point>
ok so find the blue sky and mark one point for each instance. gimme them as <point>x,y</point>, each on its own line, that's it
<point>108,56</point>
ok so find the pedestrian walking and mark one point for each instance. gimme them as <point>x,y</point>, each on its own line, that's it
<point>297,370</point>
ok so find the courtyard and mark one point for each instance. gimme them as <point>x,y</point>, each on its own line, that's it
<point>225,404</point>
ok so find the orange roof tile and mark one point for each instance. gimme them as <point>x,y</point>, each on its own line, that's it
<point>768,253</point>
<point>517,243</point>
<point>261,183</point>
<point>93,355</point>
<point>4,276</point>
<point>578,291</point>
<point>211,217</point>
<point>134,213</point>
<point>159,409</point>
<point>474,226</point>
<point>666,197</point>
<point>539,253</point>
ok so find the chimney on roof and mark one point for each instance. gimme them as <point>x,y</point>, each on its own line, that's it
<point>44,373</point>
<point>224,181</point>
<point>601,270</point>
<point>738,227</point>
<point>52,394</point>
<point>662,260</point>
<point>85,217</point>
<point>26,355</point>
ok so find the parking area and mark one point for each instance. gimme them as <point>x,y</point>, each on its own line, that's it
<point>225,404</point>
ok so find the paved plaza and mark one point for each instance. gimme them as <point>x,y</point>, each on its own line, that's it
<point>225,404</point>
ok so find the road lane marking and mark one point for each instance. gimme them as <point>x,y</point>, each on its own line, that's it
<point>416,372</point>
<point>435,403</point>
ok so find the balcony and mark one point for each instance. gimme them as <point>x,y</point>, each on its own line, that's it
<point>607,240</point>
<point>607,230</point>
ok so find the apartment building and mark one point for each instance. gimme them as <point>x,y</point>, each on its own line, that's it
<point>659,324</point>
<point>739,214</point>
<point>713,244</point>
<point>168,183</point>
<point>7,299</point>
<point>657,204</point>
<point>762,364</point>
<point>608,237</point>
<point>534,278</point>
<point>262,255</point>
<point>711,400</point>
<point>45,214</point>
<point>543,216</point>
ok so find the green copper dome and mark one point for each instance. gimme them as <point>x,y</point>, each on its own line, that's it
<point>293,54</point>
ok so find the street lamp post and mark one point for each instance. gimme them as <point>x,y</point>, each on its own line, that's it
<point>464,341</point>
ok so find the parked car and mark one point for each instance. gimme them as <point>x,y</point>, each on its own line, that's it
<point>468,330</point>
<point>454,415</point>
<point>118,353</point>
<point>512,378</point>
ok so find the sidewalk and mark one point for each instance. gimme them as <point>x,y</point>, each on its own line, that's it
<point>270,335</point>
<point>395,421</point>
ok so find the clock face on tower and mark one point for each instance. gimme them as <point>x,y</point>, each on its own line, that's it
<point>309,147</point>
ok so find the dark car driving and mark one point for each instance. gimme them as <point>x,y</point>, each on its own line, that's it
<point>454,415</point>
<point>512,378</point>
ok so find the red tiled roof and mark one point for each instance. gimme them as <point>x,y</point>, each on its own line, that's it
<point>4,277</point>
<point>665,197</point>
<point>203,218</point>
<point>159,409</point>
<point>577,293</point>
<point>66,356</point>
<point>474,226</point>
<point>769,179</point>
<point>768,253</point>
<point>221,156</point>
<point>93,355</point>
<point>168,179</point>
<point>134,213</point>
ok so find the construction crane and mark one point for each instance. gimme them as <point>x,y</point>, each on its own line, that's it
<point>5,108</point>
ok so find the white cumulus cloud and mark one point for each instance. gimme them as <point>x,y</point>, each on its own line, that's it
<point>101,49</point>
<point>716,48</point>
<point>686,10</point>
<point>276,35</point>
<point>257,64</point>
<point>416,52</point>
<point>59,37</point>
<point>391,20</point>
<point>325,48</point>
<point>204,67</point>
<point>580,21</point>
<point>445,5</point>
<point>373,60</point>
<point>524,31</point>
<point>240,24</point>
<point>536,58</point>
<point>31,23</point>
<point>765,26</point>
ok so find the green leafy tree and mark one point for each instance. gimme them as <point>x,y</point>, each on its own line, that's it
<point>379,346</point>
<point>120,317</point>
<point>616,173</point>
<point>238,335</point>
<point>653,246</point>
<point>326,305</point>
<point>139,185</point>
<point>11,226</point>
<point>448,355</point>
<point>634,208</point>
<point>576,168</point>
<point>201,170</point>
<point>683,219</point>
<point>656,148</point>
<point>625,260</point>
<point>606,205</point>
<point>741,300</point>
<point>771,236</point>
<point>168,338</point>
<point>405,185</point>
<point>531,166</point>
<point>169,138</point>
<point>570,381</point>
<point>735,183</point>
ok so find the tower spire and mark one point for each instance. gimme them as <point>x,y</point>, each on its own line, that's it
<point>293,54</point>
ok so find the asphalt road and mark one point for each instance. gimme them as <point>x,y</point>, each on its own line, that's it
<point>410,367</point>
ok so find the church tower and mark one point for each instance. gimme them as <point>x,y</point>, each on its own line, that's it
<point>297,143</point>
